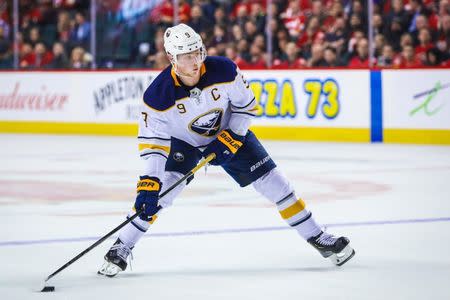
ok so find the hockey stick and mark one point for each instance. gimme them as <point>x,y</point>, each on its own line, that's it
<point>101,240</point>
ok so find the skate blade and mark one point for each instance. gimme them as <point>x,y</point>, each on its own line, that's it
<point>342,257</point>
<point>109,269</point>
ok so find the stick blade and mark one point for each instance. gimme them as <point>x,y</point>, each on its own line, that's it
<point>48,288</point>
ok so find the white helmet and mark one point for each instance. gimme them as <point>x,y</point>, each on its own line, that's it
<point>182,39</point>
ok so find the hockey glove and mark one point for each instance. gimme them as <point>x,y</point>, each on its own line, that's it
<point>147,196</point>
<point>225,146</point>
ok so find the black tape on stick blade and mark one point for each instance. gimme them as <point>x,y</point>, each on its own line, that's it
<point>48,289</point>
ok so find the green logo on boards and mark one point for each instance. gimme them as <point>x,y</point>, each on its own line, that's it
<point>430,95</point>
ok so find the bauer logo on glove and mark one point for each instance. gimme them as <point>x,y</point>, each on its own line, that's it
<point>148,184</point>
<point>224,146</point>
<point>228,141</point>
<point>147,197</point>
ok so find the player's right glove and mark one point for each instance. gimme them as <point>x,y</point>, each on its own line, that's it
<point>224,146</point>
<point>148,189</point>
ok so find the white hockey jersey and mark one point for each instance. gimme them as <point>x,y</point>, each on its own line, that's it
<point>222,99</point>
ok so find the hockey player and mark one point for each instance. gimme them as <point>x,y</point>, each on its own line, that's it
<point>197,106</point>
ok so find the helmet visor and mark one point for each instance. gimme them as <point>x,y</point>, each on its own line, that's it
<point>192,58</point>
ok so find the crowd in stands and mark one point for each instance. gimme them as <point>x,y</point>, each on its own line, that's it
<point>56,34</point>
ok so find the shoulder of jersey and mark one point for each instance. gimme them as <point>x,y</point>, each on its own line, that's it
<point>220,69</point>
<point>160,95</point>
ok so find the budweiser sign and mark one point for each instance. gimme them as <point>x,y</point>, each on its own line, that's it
<point>41,100</point>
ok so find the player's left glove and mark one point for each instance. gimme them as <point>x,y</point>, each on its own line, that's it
<point>148,194</point>
<point>225,146</point>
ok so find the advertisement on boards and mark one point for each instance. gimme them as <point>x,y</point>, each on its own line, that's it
<point>311,98</point>
<point>416,99</point>
<point>319,98</point>
<point>103,97</point>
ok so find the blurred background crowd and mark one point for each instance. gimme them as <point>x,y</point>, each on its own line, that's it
<point>73,34</point>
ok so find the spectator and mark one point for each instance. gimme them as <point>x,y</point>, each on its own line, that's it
<point>425,44</point>
<point>238,29</point>
<point>421,23</point>
<point>311,34</point>
<point>34,36</point>
<point>336,36</point>
<point>5,53</point>
<point>280,41</point>
<point>158,61</point>
<point>212,51</point>
<point>220,17</point>
<point>250,30</point>
<point>443,42</point>
<point>167,11</point>
<point>316,59</point>
<point>354,40</point>
<point>78,59</point>
<point>184,11</point>
<point>257,57</point>
<point>444,8</point>
<point>219,36</point>
<point>26,56</point>
<point>60,60</point>
<point>290,58</point>
<point>356,23</point>
<point>398,15</point>
<point>358,8</point>
<point>63,27</point>
<point>5,28</point>
<point>219,39</point>
<point>81,31</point>
<point>393,35</point>
<point>208,9</point>
<point>433,58</point>
<point>330,57</point>
<point>293,19</point>
<point>236,33</point>
<point>378,24</point>
<point>407,58</point>
<point>5,45</point>
<point>259,41</point>
<point>406,39</point>
<point>4,17</point>
<point>379,42</point>
<point>317,10</point>
<point>153,53</point>
<point>42,56</point>
<point>415,9</point>
<point>257,16</point>
<point>336,11</point>
<point>386,59</point>
<point>198,22</point>
<point>231,53</point>
<point>361,59</point>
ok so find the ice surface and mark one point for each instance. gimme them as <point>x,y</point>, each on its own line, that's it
<point>58,194</point>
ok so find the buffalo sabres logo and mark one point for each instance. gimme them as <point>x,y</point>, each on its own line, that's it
<point>208,124</point>
<point>195,94</point>
<point>178,156</point>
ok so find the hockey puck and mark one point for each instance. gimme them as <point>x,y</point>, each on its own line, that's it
<point>48,289</point>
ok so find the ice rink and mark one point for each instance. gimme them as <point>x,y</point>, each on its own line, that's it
<point>59,194</point>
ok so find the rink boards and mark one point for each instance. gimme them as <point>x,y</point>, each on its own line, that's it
<point>394,106</point>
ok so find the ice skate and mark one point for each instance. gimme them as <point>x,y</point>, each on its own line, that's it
<point>115,259</point>
<point>329,246</point>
